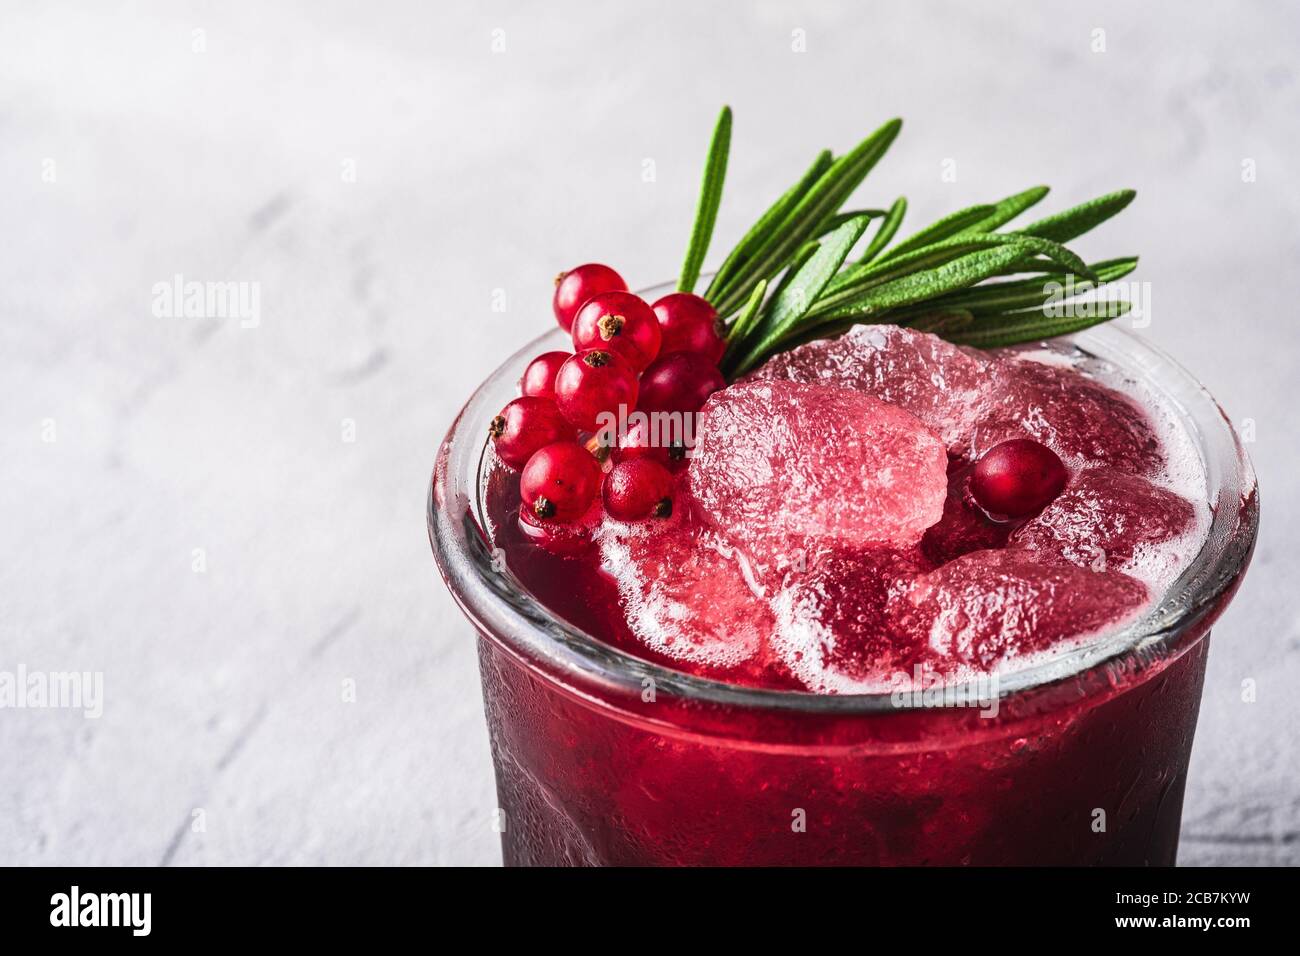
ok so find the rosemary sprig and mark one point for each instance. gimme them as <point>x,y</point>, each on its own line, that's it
<point>998,297</point>
<point>821,200</point>
<point>1032,325</point>
<point>715,172</point>
<point>954,224</point>
<point>854,286</point>
<point>791,279</point>
<point>748,316</point>
<point>1074,222</point>
<point>1004,210</point>
<point>774,216</point>
<point>796,297</point>
<point>888,229</point>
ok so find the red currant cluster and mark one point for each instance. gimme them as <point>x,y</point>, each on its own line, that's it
<point>627,356</point>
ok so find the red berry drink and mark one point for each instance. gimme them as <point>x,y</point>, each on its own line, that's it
<point>904,602</point>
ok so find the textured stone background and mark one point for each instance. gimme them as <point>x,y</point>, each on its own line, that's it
<point>128,156</point>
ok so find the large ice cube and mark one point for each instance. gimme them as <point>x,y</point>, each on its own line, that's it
<point>685,593</point>
<point>1082,420</point>
<point>845,625</point>
<point>777,462</point>
<point>988,606</point>
<point>942,384</point>
<point>1104,517</point>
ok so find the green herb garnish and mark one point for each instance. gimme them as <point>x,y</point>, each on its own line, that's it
<point>715,172</point>
<point>792,277</point>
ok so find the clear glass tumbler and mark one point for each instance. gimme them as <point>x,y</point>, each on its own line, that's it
<point>602,758</point>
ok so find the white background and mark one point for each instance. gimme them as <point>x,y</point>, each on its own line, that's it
<point>479,171</point>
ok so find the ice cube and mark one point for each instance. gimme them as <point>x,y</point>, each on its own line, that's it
<point>988,606</point>
<point>685,593</point>
<point>942,384</point>
<point>1104,517</point>
<point>781,461</point>
<point>844,625</point>
<point>1082,420</point>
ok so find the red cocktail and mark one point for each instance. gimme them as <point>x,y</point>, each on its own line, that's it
<point>831,679</point>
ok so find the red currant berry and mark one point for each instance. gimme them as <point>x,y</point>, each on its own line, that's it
<point>593,383</point>
<point>575,287</point>
<point>638,489</point>
<point>689,324</point>
<point>679,382</point>
<point>618,322</point>
<point>524,426</point>
<point>559,482</point>
<point>539,377</point>
<point>1017,478</point>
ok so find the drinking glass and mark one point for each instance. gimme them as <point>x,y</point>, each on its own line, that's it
<point>602,758</point>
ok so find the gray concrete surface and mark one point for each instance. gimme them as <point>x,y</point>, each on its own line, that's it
<point>226,521</point>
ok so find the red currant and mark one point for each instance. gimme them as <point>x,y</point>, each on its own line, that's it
<point>638,489</point>
<point>618,322</point>
<point>593,383</point>
<point>524,426</point>
<point>689,324</point>
<point>559,482</point>
<point>575,287</point>
<point>679,382</point>
<point>1017,478</point>
<point>539,377</point>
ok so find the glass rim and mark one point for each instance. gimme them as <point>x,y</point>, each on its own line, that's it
<point>498,606</point>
